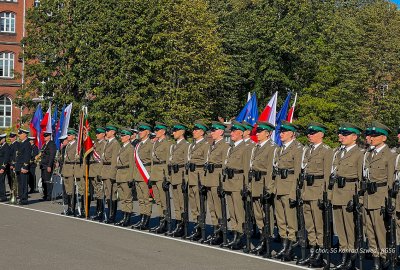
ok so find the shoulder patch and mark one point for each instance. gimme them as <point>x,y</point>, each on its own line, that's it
<point>326,146</point>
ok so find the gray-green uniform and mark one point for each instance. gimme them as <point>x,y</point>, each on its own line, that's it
<point>215,159</point>
<point>143,152</point>
<point>288,162</point>
<point>196,158</point>
<point>124,177</point>
<point>380,166</point>
<point>159,170</point>
<point>348,169</point>
<point>69,163</point>
<point>109,168</point>
<point>95,166</point>
<point>177,162</point>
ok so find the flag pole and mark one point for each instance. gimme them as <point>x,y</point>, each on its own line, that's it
<point>86,175</point>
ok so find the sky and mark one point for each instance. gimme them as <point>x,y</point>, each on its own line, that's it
<point>397,2</point>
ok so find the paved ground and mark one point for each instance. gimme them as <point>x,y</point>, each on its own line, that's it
<point>35,239</point>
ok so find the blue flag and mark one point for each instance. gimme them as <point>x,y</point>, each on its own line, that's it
<point>54,121</point>
<point>35,125</point>
<point>58,129</point>
<point>282,114</point>
<point>250,111</point>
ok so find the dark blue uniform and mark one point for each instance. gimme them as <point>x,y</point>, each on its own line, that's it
<point>22,159</point>
<point>4,158</point>
<point>32,169</point>
<point>48,156</point>
<point>11,162</point>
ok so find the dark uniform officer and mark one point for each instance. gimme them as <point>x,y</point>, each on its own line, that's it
<point>23,156</point>
<point>141,174</point>
<point>380,165</point>
<point>177,161</point>
<point>159,170</point>
<point>11,162</point>
<point>109,170</point>
<point>317,166</point>
<point>288,163</point>
<point>213,171</point>
<point>261,169</point>
<point>348,172</point>
<point>196,158</point>
<point>48,150</point>
<point>95,172</point>
<point>32,165</point>
<point>236,168</point>
<point>4,157</point>
<point>124,177</point>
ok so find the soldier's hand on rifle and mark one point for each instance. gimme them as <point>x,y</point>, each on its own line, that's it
<point>292,203</point>
<point>244,192</point>
<point>165,185</point>
<point>130,184</point>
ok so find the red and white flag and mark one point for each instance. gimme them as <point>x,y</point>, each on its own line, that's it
<point>67,116</point>
<point>268,114</point>
<point>45,124</point>
<point>291,110</point>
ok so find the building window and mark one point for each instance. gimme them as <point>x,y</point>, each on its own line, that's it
<point>6,64</point>
<point>5,112</point>
<point>7,22</point>
<point>36,3</point>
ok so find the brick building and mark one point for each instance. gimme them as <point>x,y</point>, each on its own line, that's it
<point>12,30</point>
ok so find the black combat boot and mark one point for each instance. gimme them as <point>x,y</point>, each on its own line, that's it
<point>178,232</point>
<point>229,244</point>
<point>317,261</point>
<point>196,233</point>
<point>127,220</point>
<point>260,248</point>
<point>281,252</point>
<point>82,206</point>
<point>307,260</point>
<point>122,221</point>
<point>162,226</point>
<point>74,205</point>
<point>239,243</point>
<point>218,238</point>
<point>69,211</point>
<point>99,210</point>
<point>113,211</point>
<point>377,263</point>
<point>350,263</point>
<point>145,224</point>
<point>139,223</point>
<point>288,255</point>
<point>342,263</point>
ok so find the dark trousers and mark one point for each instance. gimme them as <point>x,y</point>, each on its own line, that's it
<point>22,186</point>
<point>46,183</point>
<point>3,186</point>
<point>32,178</point>
<point>9,178</point>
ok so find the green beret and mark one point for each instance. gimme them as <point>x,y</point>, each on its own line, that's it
<point>287,126</point>
<point>179,126</point>
<point>144,126</point>
<point>217,125</point>
<point>72,131</point>
<point>100,130</point>
<point>247,125</point>
<point>200,125</point>
<point>265,126</point>
<point>237,126</point>
<point>125,131</point>
<point>111,127</point>
<point>318,127</point>
<point>160,125</point>
<point>379,129</point>
<point>349,127</point>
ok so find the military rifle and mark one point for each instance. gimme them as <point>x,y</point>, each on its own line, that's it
<point>326,206</point>
<point>265,199</point>
<point>224,221</point>
<point>300,215</point>
<point>203,208</point>
<point>185,216</point>
<point>391,218</point>
<point>248,225</point>
<point>168,217</point>
<point>358,218</point>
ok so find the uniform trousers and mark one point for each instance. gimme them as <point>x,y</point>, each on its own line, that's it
<point>143,198</point>
<point>23,185</point>
<point>110,189</point>
<point>3,186</point>
<point>177,198</point>
<point>314,223</point>
<point>259,215</point>
<point>97,187</point>
<point>376,232</point>
<point>286,218</point>
<point>344,224</point>
<point>125,197</point>
<point>214,205</point>
<point>236,210</point>
<point>194,201</point>
<point>159,197</point>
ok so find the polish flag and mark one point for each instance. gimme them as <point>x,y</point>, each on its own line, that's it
<point>267,115</point>
<point>291,110</point>
<point>45,124</point>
